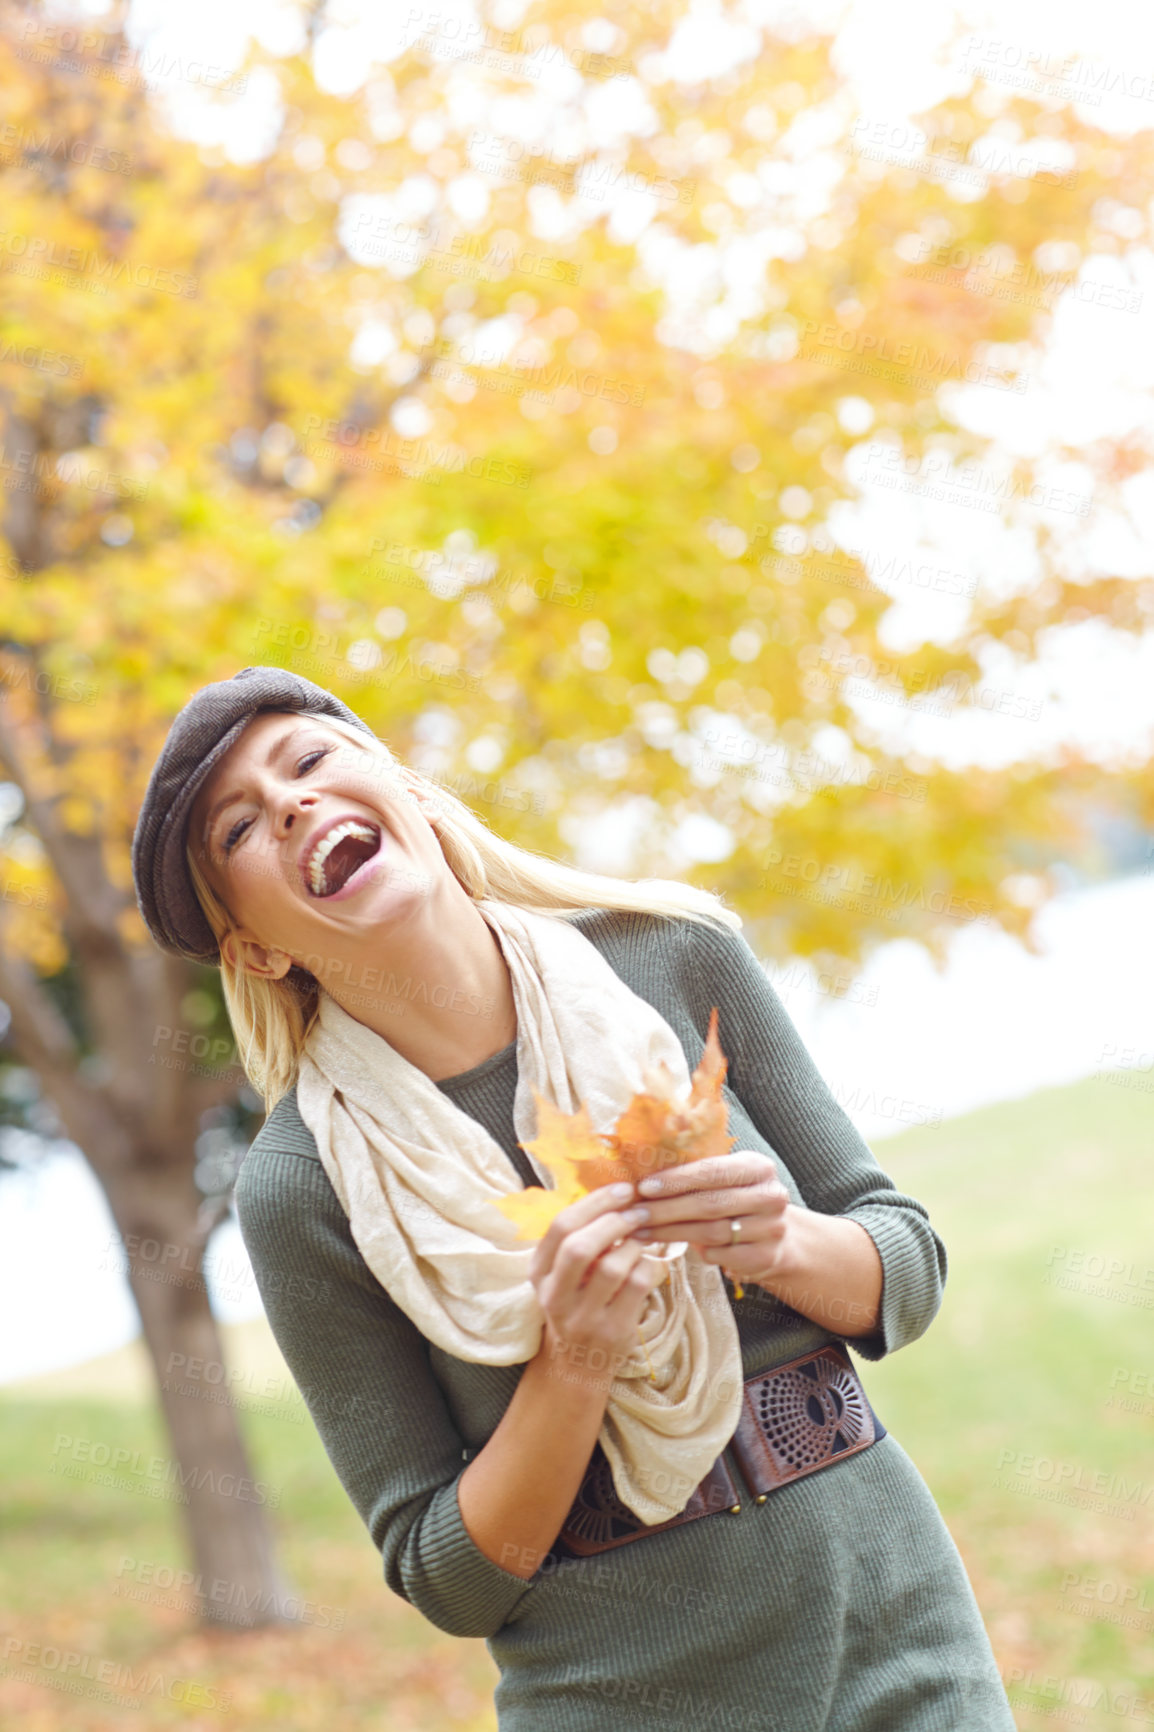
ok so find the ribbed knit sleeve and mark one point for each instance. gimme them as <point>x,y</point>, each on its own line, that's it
<point>786,1097</point>
<point>363,1369</point>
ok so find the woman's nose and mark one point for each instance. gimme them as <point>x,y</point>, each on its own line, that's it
<point>292,804</point>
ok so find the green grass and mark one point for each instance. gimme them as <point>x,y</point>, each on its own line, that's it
<point>1013,1362</point>
<point>361,1658</point>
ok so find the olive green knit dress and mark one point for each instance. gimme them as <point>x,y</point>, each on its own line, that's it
<point>841,1604</point>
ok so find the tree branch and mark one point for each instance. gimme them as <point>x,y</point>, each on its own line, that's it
<point>40,1034</point>
<point>92,903</point>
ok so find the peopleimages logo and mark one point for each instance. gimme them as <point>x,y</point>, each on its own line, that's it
<point>875,352</point>
<point>122,1461</point>
<point>38,148</point>
<point>41,360</point>
<point>234,1603</point>
<point>103,56</point>
<point>49,254</point>
<point>1038,70</point>
<point>68,1668</point>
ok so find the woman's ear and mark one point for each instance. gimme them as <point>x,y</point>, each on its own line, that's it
<point>253,957</point>
<point>424,796</point>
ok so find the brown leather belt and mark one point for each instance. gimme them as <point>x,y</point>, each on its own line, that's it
<point>796,1419</point>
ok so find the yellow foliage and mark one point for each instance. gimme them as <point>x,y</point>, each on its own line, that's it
<point>254,417</point>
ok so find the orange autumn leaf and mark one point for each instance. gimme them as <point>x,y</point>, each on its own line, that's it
<point>655,1130</point>
<point>565,1143</point>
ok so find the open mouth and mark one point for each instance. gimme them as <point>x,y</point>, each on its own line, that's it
<point>340,856</point>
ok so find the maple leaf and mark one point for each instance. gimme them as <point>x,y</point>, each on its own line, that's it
<point>658,1130</point>
<point>655,1130</point>
<point>565,1143</point>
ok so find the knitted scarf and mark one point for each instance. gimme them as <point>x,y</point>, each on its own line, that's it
<point>416,1177</point>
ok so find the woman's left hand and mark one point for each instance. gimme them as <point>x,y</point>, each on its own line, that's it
<point>697,1201</point>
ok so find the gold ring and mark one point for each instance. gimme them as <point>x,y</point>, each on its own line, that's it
<point>734,1232</point>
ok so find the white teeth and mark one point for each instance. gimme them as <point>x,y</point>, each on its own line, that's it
<point>316,863</point>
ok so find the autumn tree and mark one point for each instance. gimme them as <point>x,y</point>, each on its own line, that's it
<point>512,391</point>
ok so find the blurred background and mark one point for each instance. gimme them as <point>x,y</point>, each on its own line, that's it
<point>717,441</point>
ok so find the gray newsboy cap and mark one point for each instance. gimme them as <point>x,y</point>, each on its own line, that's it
<point>198,738</point>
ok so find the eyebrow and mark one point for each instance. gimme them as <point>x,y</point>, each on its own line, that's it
<point>271,755</point>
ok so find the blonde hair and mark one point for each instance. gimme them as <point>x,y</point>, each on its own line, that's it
<point>272,1019</point>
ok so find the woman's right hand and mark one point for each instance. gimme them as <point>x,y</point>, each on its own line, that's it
<point>592,1291</point>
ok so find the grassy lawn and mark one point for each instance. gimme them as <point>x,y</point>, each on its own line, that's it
<point>1018,1405</point>
<point>1027,1408</point>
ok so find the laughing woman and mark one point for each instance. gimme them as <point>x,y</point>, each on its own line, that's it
<point>661,1503</point>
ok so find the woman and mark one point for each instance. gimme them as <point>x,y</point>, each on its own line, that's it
<point>588,1448</point>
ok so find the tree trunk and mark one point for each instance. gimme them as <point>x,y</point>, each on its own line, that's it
<point>238,1584</point>
<point>137,1127</point>
<point>134,1121</point>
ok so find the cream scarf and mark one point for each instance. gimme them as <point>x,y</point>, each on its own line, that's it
<point>416,1177</point>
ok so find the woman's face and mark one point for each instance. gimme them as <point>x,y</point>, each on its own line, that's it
<point>313,844</point>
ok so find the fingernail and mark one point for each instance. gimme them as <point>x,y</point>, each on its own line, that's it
<point>650,1187</point>
<point>636,1215</point>
<point>621,1191</point>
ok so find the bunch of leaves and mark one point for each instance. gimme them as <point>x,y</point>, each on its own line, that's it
<point>657,1129</point>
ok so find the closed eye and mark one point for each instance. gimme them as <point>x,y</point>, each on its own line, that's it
<point>242,824</point>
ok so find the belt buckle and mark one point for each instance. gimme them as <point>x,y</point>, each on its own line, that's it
<point>801,1417</point>
<point>598,1520</point>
